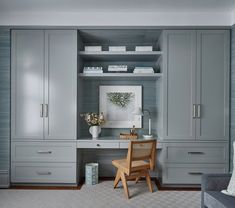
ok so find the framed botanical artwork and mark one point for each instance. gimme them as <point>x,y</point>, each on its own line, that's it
<point>119,104</point>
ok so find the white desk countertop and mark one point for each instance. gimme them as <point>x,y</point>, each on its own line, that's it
<point>106,143</point>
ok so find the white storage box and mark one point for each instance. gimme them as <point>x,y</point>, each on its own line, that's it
<point>92,173</point>
<point>93,48</point>
<point>144,48</point>
<point>117,48</point>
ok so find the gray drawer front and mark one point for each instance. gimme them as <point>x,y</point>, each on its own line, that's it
<point>196,153</point>
<point>43,152</point>
<point>97,144</point>
<point>43,173</point>
<point>189,174</point>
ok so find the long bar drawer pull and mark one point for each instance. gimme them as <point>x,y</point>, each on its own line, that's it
<point>43,172</point>
<point>44,152</point>
<point>195,173</point>
<point>196,153</point>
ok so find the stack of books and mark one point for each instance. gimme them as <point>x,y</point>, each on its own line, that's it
<point>117,48</point>
<point>93,48</point>
<point>144,48</point>
<point>117,68</point>
<point>92,70</point>
<point>144,70</point>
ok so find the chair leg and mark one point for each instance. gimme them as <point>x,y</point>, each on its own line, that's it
<point>117,178</point>
<point>148,180</point>
<point>137,179</point>
<point>124,183</point>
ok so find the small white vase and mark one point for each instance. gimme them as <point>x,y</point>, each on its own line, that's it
<point>95,131</point>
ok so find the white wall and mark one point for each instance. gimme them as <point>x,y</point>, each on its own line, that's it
<point>116,19</point>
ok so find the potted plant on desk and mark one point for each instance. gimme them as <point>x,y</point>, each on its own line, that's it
<point>94,120</point>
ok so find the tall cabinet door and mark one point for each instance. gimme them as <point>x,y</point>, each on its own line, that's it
<point>179,89</point>
<point>60,84</point>
<point>27,66</point>
<point>213,85</point>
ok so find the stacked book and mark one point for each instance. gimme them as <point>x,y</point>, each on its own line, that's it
<point>144,48</point>
<point>93,48</point>
<point>144,70</point>
<point>117,48</point>
<point>117,68</point>
<point>92,70</point>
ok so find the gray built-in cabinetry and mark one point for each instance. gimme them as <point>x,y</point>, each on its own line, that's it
<point>188,96</point>
<point>43,100</point>
<point>196,104</point>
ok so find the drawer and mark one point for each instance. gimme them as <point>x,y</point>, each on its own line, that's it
<point>98,144</point>
<point>43,152</point>
<point>43,173</point>
<point>189,174</point>
<point>196,153</point>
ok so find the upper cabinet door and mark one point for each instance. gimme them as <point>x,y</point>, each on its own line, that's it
<point>61,84</point>
<point>27,66</point>
<point>213,84</point>
<point>179,88</point>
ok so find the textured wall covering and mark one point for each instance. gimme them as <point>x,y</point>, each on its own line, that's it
<point>4,102</point>
<point>232,124</point>
<point>90,103</point>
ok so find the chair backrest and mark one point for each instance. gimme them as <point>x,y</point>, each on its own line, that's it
<point>142,150</point>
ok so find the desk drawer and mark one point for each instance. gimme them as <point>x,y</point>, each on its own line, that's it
<point>196,153</point>
<point>43,152</point>
<point>189,174</point>
<point>97,145</point>
<point>43,173</point>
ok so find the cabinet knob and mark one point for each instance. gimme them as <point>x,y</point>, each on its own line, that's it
<point>98,145</point>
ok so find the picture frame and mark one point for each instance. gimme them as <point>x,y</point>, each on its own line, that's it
<point>119,104</point>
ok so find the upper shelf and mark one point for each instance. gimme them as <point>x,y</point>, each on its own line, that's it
<point>128,76</point>
<point>120,56</point>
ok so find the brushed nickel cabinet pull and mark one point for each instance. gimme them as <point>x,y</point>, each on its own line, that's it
<point>199,111</point>
<point>195,173</point>
<point>196,153</point>
<point>43,172</point>
<point>44,152</point>
<point>41,110</point>
<point>194,111</point>
<point>46,110</point>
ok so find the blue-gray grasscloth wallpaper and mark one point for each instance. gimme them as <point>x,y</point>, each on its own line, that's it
<point>4,99</point>
<point>232,123</point>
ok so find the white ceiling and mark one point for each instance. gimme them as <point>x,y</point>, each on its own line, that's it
<point>117,5</point>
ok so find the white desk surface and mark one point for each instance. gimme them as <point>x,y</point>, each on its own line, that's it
<point>106,143</point>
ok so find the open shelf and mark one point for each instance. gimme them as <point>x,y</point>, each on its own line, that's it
<point>124,56</point>
<point>121,75</point>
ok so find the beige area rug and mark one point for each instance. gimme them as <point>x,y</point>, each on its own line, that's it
<point>101,195</point>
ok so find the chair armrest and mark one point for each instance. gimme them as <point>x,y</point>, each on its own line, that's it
<point>215,182</point>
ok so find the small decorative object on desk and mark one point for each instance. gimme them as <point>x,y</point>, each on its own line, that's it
<point>117,48</point>
<point>125,136</point>
<point>132,136</point>
<point>117,68</point>
<point>93,48</point>
<point>144,48</point>
<point>94,120</point>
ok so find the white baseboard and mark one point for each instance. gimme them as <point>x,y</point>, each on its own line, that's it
<point>4,179</point>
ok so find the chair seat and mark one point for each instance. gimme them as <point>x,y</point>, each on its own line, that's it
<point>136,165</point>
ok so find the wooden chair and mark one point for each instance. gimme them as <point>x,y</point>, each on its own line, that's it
<point>140,159</point>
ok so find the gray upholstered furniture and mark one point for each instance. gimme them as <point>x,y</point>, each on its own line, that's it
<point>212,184</point>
